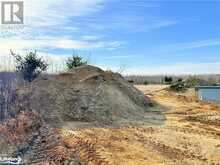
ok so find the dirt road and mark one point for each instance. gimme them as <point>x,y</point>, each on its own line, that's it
<point>189,135</point>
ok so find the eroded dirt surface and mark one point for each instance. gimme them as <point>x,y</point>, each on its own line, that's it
<point>190,135</point>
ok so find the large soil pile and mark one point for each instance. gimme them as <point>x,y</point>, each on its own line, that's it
<point>85,94</point>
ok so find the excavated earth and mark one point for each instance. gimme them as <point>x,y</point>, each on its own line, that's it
<point>86,94</point>
<point>43,114</point>
<point>189,135</point>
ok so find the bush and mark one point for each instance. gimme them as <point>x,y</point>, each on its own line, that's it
<point>146,83</point>
<point>131,81</point>
<point>168,80</point>
<point>179,86</point>
<point>29,66</point>
<point>75,61</point>
<point>193,81</point>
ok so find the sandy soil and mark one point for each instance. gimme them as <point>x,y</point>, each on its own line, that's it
<point>149,89</point>
<point>190,135</point>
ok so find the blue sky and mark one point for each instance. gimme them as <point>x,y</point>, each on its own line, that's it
<point>139,36</point>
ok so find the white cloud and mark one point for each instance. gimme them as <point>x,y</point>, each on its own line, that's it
<point>49,17</point>
<point>131,23</point>
<point>161,24</point>
<point>90,38</point>
<point>184,46</point>
<point>41,42</point>
<point>54,18</point>
<point>116,57</point>
<point>41,13</point>
<point>176,69</point>
<point>43,17</point>
<point>197,44</point>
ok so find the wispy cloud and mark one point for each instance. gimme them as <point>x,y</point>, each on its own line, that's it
<point>163,23</point>
<point>176,69</point>
<point>52,42</point>
<point>118,57</point>
<point>156,25</point>
<point>130,23</point>
<point>173,48</point>
<point>90,24</point>
<point>50,24</point>
<point>59,17</point>
<point>90,38</point>
<point>197,44</point>
<point>41,13</point>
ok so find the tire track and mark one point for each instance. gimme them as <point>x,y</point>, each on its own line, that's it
<point>173,153</point>
<point>88,152</point>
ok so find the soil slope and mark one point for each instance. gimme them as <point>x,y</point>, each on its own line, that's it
<point>86,94</point>
<point>189,136</point>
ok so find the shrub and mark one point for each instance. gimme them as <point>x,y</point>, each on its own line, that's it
<point>193,81</point>
<point>75,61</point>
<point>146,83</point>
<point>179,86</point>
<point>168,80</point>
<point>29,66</point>
<point>131,81</point>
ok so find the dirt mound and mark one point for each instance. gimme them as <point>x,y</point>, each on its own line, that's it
<point>85,93</point>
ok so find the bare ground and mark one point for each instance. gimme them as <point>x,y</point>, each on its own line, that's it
<point>189,135</point>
